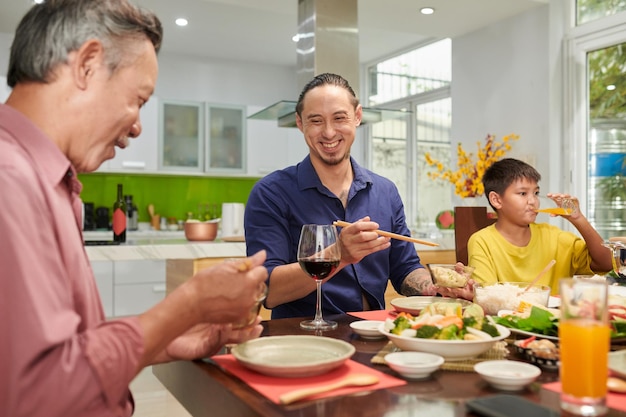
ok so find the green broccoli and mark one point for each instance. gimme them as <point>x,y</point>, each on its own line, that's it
<point>450,332</point>
<point>427,332</point>
<point>401,323</point>
<point>490,329</point>
<point>471,322</point>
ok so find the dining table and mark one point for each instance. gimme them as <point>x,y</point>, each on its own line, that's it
<point>205,388</point>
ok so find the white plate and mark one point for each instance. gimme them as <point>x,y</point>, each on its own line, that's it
<point>451,350</point>
<point>414,305</point>
<point>617,290</point>
<point>367,329</point>
<point>617,363</point>
<point>293,356</point>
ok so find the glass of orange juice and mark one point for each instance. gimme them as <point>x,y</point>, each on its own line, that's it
<point>584,339</point>
<point>565,206</point>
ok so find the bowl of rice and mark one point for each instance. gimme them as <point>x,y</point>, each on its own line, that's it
<point>508,295</point>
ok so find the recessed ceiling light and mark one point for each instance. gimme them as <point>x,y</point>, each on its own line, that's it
<point>181,21</point>
<point>38,1</point>
<point>427,10</point>
<point>610,87</point>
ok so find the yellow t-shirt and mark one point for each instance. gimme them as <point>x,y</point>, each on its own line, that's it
<point>497,260</point>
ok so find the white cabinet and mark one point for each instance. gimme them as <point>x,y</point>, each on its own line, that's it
<point>103,272</point>
<point>138,285</point>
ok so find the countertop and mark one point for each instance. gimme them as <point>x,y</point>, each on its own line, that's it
<point>159,245</point>
<point>173,245</point>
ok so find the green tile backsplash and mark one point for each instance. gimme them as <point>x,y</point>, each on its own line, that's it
<point>172,196</point>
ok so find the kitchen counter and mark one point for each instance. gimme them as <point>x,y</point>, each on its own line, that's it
<point>141,245</point>
<point>159,245</point>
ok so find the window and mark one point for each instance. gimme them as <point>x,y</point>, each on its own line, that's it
<point>418,80</point>
<point>589,10</point>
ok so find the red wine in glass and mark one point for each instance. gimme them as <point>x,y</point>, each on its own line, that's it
<point>318,256</point>
<point>319,268</point>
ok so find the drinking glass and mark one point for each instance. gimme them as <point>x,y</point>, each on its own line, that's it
<point>318,256</point>
<point>584,337</point>
<point>565,206</point>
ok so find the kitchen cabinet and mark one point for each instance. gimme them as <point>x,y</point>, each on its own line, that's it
<point>202,137</point>
<point>138,285</point>
<point>103,272</point>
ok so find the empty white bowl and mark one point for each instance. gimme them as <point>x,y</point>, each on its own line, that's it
<point>507,375</point>
<point>367,329</point>
<point>414,365</point>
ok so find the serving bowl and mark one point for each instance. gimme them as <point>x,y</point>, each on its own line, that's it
<point>508,295</point>
<point>196,230</point>
<point>414,365</point>
<point>507,375</point>
<point>450,275</point>
<point>414,305</point>
<point>451,350</point>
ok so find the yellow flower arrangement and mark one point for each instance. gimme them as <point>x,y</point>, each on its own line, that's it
<point>467,179</point>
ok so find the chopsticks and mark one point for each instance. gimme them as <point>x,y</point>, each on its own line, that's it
<point>341,223</point>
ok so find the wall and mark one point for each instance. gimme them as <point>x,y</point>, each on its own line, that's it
<point>172,196</point>
<point>500,85</point>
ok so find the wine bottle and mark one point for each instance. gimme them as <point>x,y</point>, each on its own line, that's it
<point>119,216</point>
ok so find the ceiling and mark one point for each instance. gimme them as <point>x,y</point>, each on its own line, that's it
<point>260,31</point>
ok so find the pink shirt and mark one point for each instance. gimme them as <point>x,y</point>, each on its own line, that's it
<point>58,356</point>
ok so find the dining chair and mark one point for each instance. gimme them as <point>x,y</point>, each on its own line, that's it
<point>468,220</point>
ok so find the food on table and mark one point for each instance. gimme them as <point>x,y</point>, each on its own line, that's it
<point>448,276</point>
<point>444,321</point>
<point>508,295</point>
<point>545,321</point>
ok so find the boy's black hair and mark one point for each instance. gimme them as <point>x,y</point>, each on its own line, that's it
<point>504,172</point>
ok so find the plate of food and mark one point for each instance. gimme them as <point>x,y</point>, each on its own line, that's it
<point>446,329</point>
<point>414,305</point>
<point>293,356</point>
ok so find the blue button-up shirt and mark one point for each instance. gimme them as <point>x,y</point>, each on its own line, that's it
<point>284,200</point>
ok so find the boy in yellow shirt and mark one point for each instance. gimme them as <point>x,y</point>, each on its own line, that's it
<point>515,248</point>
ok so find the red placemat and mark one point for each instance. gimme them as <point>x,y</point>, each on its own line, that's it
<point>273,387</point>
<point>380,315</point>
<point>613,400</point>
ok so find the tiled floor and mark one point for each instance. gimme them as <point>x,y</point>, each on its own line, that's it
<point>152,399</point>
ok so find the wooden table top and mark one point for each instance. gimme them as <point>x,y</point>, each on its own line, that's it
<point>205,390</point>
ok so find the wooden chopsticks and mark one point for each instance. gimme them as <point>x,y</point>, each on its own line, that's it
<point>341,223</point>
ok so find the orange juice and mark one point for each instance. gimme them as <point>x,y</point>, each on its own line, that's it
<point>584,346</point>
<point>555,210</point>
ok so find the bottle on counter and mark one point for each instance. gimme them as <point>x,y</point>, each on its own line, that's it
<point>119,216</point>
<point>132,221</point>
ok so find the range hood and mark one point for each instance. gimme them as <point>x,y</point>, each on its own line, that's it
<point>328,41</point>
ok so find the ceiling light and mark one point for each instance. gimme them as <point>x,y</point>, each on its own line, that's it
<point>38,1</point>
<point>610,87</point>
<point>427,10</point>
<point>181,21</point>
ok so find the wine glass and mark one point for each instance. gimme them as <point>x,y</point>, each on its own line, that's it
<point>318,256</point>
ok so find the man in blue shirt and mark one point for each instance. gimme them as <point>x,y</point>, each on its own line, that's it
<point>329,185</point>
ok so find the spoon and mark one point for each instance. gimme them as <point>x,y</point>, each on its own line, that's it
<point>616,385</point>
<point>356,380</point>
<point>542,273</point>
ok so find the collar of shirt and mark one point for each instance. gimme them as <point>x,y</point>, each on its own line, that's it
<point>308,178</point>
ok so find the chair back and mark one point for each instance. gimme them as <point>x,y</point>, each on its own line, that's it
<point>468,220</point>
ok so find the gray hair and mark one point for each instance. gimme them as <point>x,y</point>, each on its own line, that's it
<point>326,79</point>
<point>51,30</point>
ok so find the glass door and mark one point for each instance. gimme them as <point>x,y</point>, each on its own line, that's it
<point>181,137</point>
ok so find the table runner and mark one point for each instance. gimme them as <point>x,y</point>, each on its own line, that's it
<point>273,387</point>
<point>380,315</point>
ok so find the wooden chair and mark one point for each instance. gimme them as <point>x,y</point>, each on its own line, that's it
<point>468,220</point>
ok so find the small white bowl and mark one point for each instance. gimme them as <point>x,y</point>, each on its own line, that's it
<point>507,375</point>
<point>367,329</point>
<point>414,365</point>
